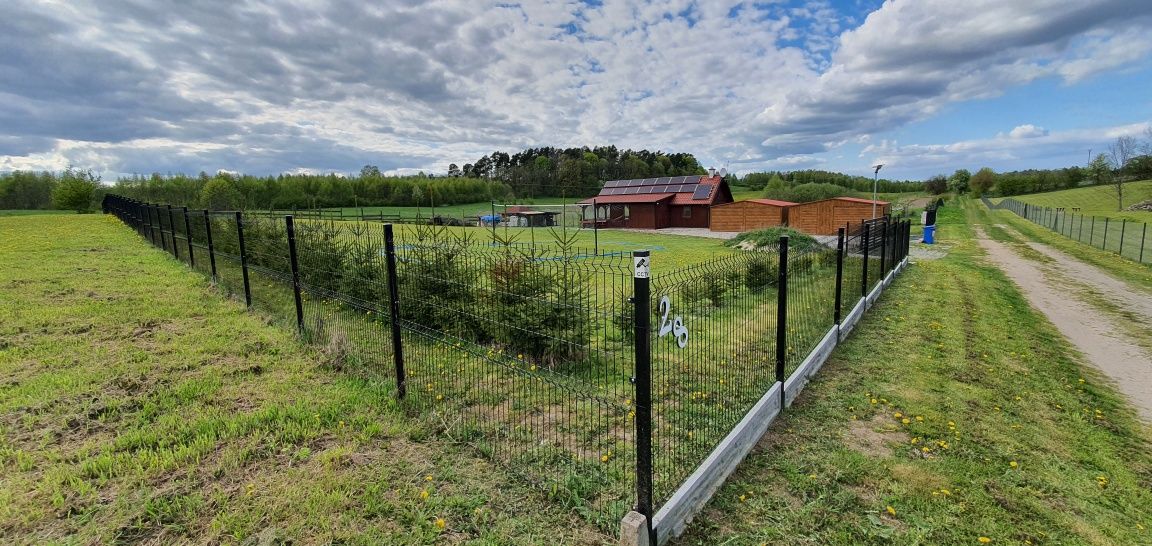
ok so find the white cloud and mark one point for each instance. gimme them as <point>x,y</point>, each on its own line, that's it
<point>268,87</point>
<point>1027,131</point>
<point>1004,151</point>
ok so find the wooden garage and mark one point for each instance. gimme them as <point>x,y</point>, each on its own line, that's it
<point>825,217</point>
<point>749,214</point>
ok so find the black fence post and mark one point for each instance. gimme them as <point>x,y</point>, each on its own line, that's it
<point>1080,231</point>
<point>1123,225</point>
<point>883,248</point>
<point>243,259</point>
<point>394,311</point>
<point>288,223</point>
<point>782,315</point>
<point>1104,245</point>
<point>146,208</point>
<point>211,249</point>
<point>172,228</point>
<point>188,233</point>
<point>642,340</point>
<point>1143,238</point>
<point>839,274</point>
<point>866,250</point>
<point>1091,230</point>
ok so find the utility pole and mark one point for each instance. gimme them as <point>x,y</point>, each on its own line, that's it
<point>875,174</point>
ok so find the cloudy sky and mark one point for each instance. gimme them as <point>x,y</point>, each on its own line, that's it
<point>924,86</point>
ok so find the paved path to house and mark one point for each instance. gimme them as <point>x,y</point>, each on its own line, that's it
<point>1060,289</point>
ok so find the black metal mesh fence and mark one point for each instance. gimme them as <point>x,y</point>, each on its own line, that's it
<point>528,351</point>
<point>1127,238</point>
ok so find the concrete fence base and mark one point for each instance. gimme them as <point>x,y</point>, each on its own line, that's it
<point>672,518</point>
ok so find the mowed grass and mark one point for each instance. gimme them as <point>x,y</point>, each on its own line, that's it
<point>31,212</point>
<point>668,251</point>
<point>1097,200</point>
<point>954,414</point>
<point>137,405</point>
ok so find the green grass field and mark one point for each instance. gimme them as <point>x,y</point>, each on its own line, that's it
<point>21,212</point>
<point>954,414</point>
<point>1096,200</point>
<point>136,405</point>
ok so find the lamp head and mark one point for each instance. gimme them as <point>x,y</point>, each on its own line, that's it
<point>877,168</point>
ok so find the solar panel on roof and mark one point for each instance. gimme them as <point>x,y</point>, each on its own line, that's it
<point>702,191</point>
<point>684,188</point>
<point>662,181</point>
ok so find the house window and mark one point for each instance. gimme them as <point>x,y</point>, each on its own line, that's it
<point>602,213</point>
<point>687,212</point>
<point>627,212</point>
<point>588,212</point>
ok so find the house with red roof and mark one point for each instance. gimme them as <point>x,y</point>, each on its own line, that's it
<point>656,203</point>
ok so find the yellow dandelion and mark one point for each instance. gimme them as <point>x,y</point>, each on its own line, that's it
<point>897,415</point>
<point>424,494</point>
<point>891,511</point>
<point>984,540</point>
<point>603,458</point>
<point>1013,464</point>
<point>905,421</point>
<point>919,418</point>
<point>440,523</point>
<point>743,498</point>
<point>428,478</point>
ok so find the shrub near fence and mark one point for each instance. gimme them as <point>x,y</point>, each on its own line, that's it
<point>610,388</point>
<point>1128,239</point>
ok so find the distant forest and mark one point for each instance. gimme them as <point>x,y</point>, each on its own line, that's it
<point>536,172</point>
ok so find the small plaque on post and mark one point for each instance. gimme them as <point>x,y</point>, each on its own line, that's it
<point>643,266</point>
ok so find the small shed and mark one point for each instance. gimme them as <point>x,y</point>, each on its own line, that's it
<point>825,217</point>
<point>531,218</point>
<point>749,214</point>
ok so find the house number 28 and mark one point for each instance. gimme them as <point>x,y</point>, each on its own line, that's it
<point>675,326</point>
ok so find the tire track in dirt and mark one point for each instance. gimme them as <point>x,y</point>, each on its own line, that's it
<point>1093,332</point>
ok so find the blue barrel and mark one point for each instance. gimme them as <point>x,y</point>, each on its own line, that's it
<point>929,235</point>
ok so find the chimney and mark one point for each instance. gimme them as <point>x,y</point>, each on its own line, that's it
<point>712,172</point>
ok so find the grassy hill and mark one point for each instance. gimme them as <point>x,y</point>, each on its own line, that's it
<point>1096,200</point>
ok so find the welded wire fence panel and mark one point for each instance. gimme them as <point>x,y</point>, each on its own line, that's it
<point>811,299</point>
<point>525,353</point>
<point>853,273</point>
<point>1126,238</point>
<point>269,268</point>
<point>713,356</point>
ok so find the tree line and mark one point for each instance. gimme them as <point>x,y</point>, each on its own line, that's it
<point>1127,159</point>
<point>70,189</point>
<point>573,172</point>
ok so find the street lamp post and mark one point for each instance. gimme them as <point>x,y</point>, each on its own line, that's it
<point>875,174</point>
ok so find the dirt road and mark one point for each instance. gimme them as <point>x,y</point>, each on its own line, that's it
<point>1104,338</point>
